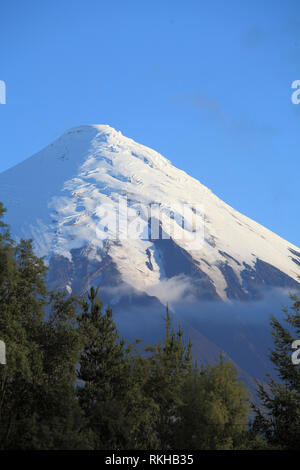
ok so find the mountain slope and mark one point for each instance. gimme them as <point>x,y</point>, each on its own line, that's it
<point>61,197</point>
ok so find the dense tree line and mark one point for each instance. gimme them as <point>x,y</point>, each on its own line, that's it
<point>71,382</point>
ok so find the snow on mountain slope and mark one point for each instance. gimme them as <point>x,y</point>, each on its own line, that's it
<point>57,198</point>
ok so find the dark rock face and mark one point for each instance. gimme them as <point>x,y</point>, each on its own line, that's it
<point>227,256</point>
<point>60,271</point>
<point>83,272</point>
<point>234,290</point>
<point>176,261</point>
<point>256,280</point>
<point>86,270</point>
<point>264,276</point>
<point>297,254</point>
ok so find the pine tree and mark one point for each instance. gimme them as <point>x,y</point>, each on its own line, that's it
<point>71,383</point>
<point>38,407</point>
<point>22,299</point>
<point>278,417</point>
<point>6,256</point>
<point>103,368</point>
<point>168,366</point>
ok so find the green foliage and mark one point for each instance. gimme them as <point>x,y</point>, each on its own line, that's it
<point>117,412</point>
<point>168,366</point>
<point>215,410</point>
<point>6,258</point>
<point>278,419</point>
<point>102,367</point>
<point>71,383</point>
<point>37,402</point>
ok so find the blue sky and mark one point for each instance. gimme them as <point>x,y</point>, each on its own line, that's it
<point>205,83</point>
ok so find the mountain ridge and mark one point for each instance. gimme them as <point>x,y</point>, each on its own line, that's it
<point>57,195</point>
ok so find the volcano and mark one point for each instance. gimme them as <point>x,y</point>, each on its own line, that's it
<point>104,210</point>
<point>65,196</point>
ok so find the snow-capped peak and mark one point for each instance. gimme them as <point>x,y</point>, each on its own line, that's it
<point>57,197</point>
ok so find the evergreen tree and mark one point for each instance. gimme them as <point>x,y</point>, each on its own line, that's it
<point>6,256</point>
<point>38,407</point>
<point>71,383</point>
<point>168,365</point>
<point>278,417</point>
<point>22,300</point>
<point>103,368</point>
